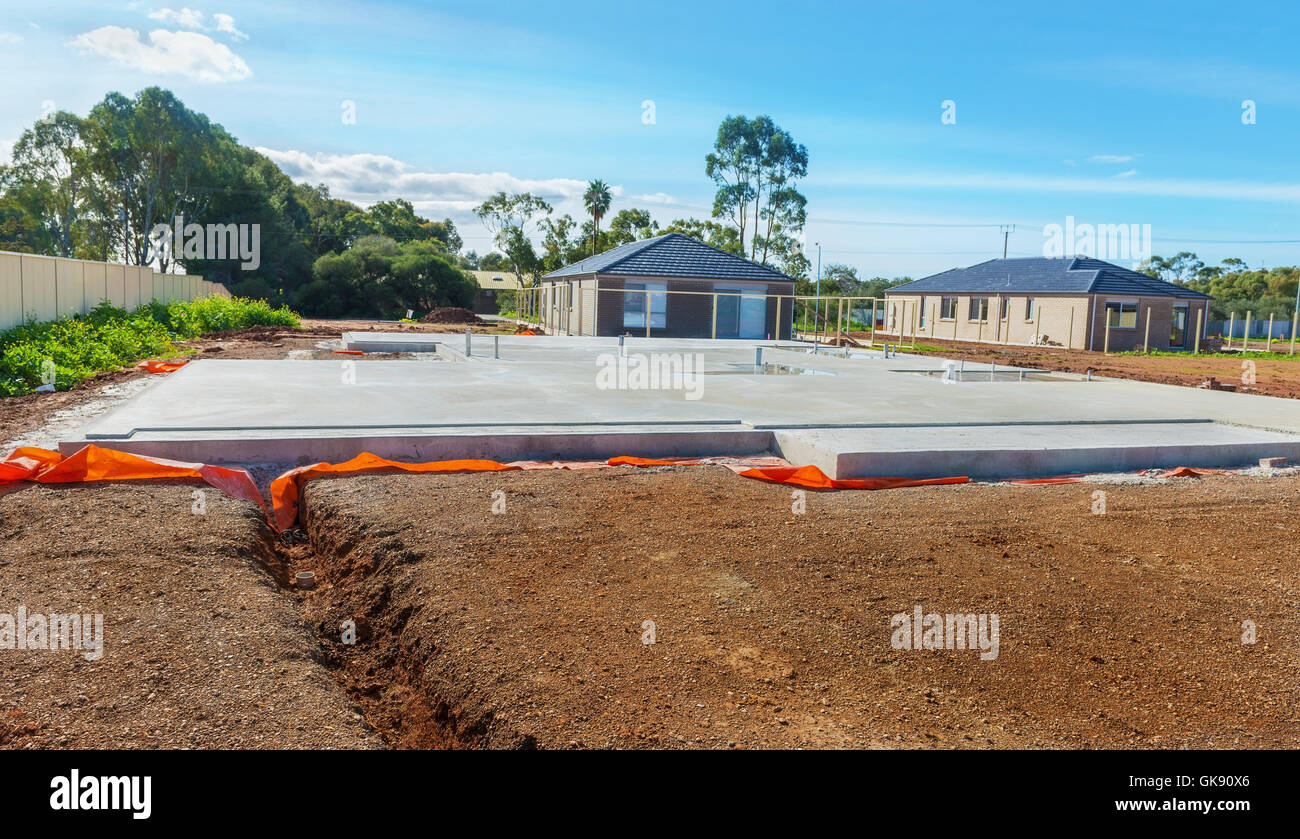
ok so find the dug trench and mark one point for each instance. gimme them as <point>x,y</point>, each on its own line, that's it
<point>512,610</point>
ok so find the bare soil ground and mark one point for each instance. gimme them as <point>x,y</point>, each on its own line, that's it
<point>1273,378</point>
<point>525,628</point>
<point>201,647</point>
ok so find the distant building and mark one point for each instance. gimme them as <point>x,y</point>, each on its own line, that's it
<point>490,284</point>
<point>1066,301</point>
<point>614,293</point>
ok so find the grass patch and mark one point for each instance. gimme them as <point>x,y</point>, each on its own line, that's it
<point>64,352</point>
<point>1278,355</point>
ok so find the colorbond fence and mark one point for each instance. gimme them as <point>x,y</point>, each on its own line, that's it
<point>50,287</point>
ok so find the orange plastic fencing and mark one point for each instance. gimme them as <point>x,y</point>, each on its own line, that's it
<point>814,478</point>
<point>91,463</point>
<point>1190,472</point>
<point>153,366</point>
<point>286,490</point>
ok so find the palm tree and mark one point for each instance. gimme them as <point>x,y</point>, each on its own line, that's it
<point>597,198</point>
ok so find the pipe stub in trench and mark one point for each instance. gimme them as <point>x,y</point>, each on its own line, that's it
<point>305,579</point>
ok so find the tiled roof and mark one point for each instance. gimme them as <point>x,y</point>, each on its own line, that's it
<point>671,255</point>
<point>1045,275</point>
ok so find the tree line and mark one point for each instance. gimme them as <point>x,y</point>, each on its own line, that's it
<point>1235,286</point>
<point>97,187</point>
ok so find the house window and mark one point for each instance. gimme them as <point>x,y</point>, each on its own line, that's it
<point>1122,314</point>
<point>634,306</point>
<point>1030,309</point>
<point>947,308</point>
<point>1006,308</point>
<point>979,309</point>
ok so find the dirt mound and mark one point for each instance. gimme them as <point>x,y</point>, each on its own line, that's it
<point>269,333</point>
<point>451,314</point>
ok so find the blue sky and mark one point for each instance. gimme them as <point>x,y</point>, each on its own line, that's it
<point>1112,113</point>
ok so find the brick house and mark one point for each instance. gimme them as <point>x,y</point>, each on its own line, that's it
<point>686,288</point>
<point>1039,300</point>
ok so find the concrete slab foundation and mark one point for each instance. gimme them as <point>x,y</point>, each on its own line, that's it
<point>578,398</point>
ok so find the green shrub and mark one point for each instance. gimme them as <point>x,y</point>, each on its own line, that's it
<point>107,338</point>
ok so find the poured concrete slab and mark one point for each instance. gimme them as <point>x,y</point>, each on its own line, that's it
<point>561,397</point>
<point>1030,450</point>
<point>391,341</point>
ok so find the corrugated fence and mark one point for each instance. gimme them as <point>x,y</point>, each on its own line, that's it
<point>49,287</point>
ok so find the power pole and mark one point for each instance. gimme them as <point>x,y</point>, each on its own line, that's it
<point>1007,230</point>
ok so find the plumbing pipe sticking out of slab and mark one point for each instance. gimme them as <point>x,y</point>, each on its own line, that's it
<point>496,346</point>
<point>467,346</point>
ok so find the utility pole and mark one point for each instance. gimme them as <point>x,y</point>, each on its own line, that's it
<point>1007,230</point>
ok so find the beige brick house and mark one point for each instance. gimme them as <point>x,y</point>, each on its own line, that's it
<point>1075,302</point>
<point>670,286</point>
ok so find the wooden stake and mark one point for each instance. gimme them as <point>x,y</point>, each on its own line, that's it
<point>1268,344</point>
<point>1232,327</point>
<point>1245,334</point>
<point>1069,341</point>
<point>1146,338</point>
<point>1200,315</point>
<point>715,316</point>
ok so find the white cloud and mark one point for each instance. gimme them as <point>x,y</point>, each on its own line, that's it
<point>654,198</point>
<point>193,19</point>
<point>185,18</point>
<point>1288,193</point>
<point>367,178</point>
<point>1112,158</point>
<point>10,39</point>
<point>226,23</point>
<point>174,53</point>
<point>1127,174</point>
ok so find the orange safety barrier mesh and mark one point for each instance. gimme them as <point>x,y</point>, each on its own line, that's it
<point>1189,472</point>
<point>91,463</point>
<point>814,478</point>
<point>154,366</point>
<point>286,490</point>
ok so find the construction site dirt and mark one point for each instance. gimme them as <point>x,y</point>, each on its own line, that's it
<point>671,607</point>
<point>1278,376</point>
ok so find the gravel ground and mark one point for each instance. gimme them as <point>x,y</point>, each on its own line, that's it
<point>201,647</point>
<point>525,628</point>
